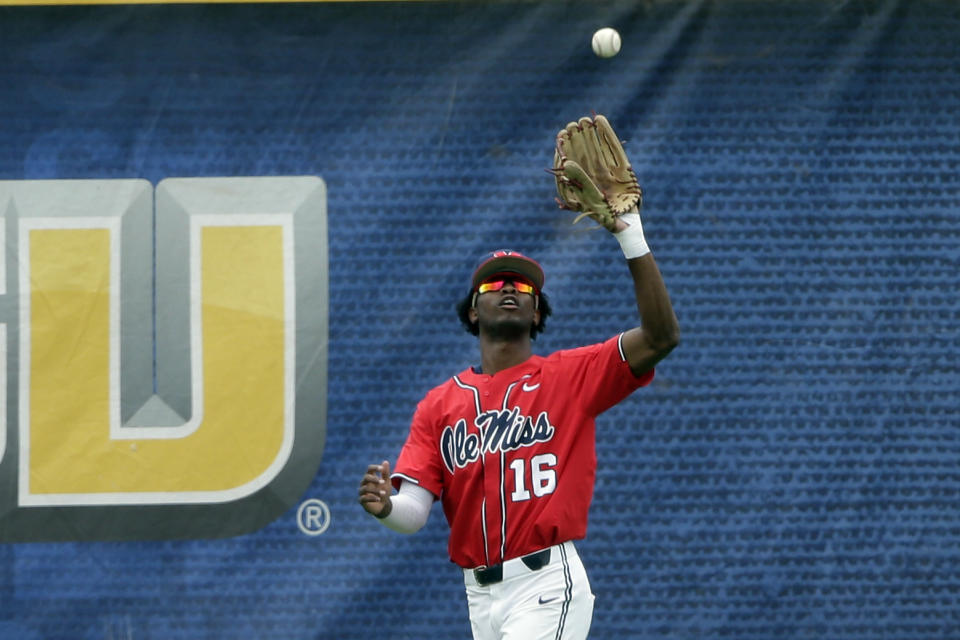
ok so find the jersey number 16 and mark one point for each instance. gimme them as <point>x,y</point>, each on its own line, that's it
<point>543,476</point>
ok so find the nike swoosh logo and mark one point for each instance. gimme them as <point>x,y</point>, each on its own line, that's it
<point>548,600</point>
<point>531,387</point>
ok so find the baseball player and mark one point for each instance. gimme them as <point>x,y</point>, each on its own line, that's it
<point>508,446</point>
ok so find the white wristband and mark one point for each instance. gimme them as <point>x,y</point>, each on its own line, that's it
<point>631,239</point>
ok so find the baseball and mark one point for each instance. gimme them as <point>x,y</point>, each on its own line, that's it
<point>606,42</point>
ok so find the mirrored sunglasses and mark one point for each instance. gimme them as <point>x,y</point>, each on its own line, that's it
<point>496,285</point>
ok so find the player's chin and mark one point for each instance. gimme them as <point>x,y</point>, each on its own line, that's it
<point>511,326</point>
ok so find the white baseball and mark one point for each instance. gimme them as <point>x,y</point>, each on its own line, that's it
<point>606,42</point>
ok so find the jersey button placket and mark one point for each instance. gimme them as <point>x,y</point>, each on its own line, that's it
<point>492,484</point>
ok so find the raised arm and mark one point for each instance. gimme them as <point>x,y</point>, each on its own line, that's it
<point>659,332</point>
<point>594,177</point>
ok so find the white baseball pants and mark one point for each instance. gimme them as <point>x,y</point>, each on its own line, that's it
<point>552,603</point>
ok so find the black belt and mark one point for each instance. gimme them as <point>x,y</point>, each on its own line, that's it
<point>492,575</point>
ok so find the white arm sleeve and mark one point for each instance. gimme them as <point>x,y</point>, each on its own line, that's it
<point>411,508</point>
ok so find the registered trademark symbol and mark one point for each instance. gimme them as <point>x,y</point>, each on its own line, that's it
<point>313,517</point>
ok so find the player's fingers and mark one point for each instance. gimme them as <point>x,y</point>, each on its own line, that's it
<point>385,487</point>
<point>373,492</point>
<point>370,483</point>
<point>370,480</point>
<point>374,487</point>
<point>377,470</point>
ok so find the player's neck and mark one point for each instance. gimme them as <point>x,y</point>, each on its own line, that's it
<point>497,355</point>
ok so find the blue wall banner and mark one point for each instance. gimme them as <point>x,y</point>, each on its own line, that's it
<point>232,239</point>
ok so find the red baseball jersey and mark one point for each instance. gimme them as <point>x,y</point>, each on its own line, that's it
<point>512,456</point>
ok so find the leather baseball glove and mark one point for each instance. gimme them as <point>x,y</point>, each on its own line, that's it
<point>593,172</point>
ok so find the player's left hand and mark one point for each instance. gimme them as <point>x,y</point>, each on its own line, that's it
<point>593,173</point>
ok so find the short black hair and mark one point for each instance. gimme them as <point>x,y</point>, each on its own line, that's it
<point>473,328</point>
